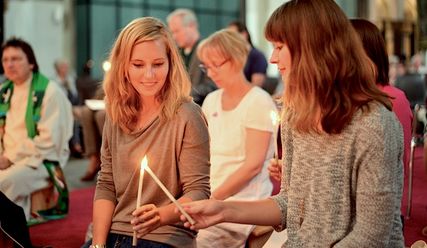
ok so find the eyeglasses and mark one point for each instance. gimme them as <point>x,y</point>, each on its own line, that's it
<point>205,68</point>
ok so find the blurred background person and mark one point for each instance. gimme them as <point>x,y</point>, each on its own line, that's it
<point>255,69</point>
<point>34,142</point>
<point>413,84</point>
<point>87,86</point>
<point>92,121</point>
<point>67,82</point>
<point>393,71</point>
<point>375,48</point>
<point>185,30</point>
<point>241,128</point>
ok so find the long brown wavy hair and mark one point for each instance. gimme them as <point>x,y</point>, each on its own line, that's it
<point>374,46</point>
<point>122,100</point>
<point>331,75</point>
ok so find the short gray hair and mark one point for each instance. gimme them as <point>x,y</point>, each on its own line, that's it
<point>186,15</point>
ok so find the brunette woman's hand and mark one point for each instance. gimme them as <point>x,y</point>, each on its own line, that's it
<point>275,169</point>
<point>205,213</point>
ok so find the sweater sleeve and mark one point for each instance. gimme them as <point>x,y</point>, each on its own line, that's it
<point>281,199</point>
<point>193,161</point>
<point>378,171</point>
<point>105,184</point>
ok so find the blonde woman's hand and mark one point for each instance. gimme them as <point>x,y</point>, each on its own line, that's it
<point>145,219</point>
<point>275,169</point>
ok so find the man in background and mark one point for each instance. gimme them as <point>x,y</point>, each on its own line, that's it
<point>185,30</point>
<point>256,65</point>
<point>67,83</point>
<point>35,126</point>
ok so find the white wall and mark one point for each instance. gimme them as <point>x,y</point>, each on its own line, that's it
<point>40,23</point>
<point>257,14</point>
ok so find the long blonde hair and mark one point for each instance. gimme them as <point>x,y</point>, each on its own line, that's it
<point>122,100</point>
<point>331,75</point>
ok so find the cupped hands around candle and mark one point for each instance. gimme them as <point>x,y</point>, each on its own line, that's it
<point>205,212</point>
<point>145,219</point>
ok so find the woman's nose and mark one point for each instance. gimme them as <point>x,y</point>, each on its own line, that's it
<point>149,72</point>
<point>273,58</point>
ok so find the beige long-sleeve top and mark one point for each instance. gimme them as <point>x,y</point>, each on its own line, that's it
<point>344,190</point>
<point>177,152</point>
<point>55,128</point>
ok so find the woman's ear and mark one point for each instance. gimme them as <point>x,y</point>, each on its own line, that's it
<point>237,65</point>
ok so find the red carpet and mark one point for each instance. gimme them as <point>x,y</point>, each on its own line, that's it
<point>418,219</point>
<point>69,232</point>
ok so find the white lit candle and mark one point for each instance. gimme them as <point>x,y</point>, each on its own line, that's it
<point>275,120</point>
<point>162,186</point>
<point>144,163</point>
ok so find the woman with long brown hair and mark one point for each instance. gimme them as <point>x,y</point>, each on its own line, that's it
<point>342,146</point>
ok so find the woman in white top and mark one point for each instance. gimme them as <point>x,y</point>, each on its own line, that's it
<point>241,131</point>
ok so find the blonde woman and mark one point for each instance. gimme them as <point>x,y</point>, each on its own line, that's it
<point>149,112</point>
<point>241,131</point>
<point>342,144</point>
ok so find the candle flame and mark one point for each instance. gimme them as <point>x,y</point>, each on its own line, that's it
<point>144,163</point>
<point>274,117</point>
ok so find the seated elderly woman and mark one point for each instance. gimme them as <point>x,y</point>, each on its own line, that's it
<point>240,128</point>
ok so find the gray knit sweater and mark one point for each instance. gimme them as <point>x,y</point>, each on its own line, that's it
<point>344,190</point>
